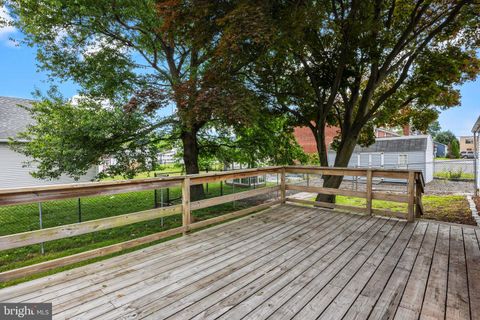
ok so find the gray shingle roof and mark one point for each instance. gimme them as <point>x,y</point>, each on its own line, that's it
<point>13,118</point>
<point>396,145</point>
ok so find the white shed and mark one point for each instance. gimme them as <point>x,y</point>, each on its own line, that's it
<point>13,173</point>
<point>405,152</point>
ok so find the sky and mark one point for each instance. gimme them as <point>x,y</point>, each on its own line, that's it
<point>19,77</point>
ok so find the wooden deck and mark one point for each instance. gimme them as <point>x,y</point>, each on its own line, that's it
<point>289,262</point>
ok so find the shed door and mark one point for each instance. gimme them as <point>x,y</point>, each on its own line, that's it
<point>371,160</point>
<point>376,160</point>
<point>363,160</point>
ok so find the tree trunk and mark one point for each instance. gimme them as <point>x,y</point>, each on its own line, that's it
<point>319,134</point>
<point>190,159</point>
<point>344,153</point>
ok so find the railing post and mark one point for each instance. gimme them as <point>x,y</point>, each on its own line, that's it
<point>369,191</point>
<point>411,196</point>
<point>282,186</point>
<point>186,213</point>
<point>418,200</point>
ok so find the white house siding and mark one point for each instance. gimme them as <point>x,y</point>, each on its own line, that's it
<point>13,174</point>
<point>429,159</point>
<point>331,160</point>
<point>416,160</point>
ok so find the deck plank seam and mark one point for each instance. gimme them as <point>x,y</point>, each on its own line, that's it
<point>466,273</point>
<point>448,271</point>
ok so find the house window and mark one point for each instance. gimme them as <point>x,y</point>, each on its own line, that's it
<point>402,161</point>
<point>468,141</point>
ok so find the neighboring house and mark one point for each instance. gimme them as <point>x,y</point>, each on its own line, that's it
<point>13,173</point>
<point>440,150</point>
<point>384,133</point>
<point>168,157</point>
<point>466,143</point>
<point>306,140</point>
<point>405,152</point>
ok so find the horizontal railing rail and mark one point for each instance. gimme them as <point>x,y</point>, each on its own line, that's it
<point>413,196</point>
<point>16,196</point>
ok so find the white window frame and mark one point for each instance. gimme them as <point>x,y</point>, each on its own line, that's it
<point>403,164</point>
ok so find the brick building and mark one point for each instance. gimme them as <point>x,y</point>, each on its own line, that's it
<point>306,140</point>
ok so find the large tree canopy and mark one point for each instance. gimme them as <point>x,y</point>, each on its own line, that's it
<point>141,57</point>
<point>269,140</point>
<point>360,64</point>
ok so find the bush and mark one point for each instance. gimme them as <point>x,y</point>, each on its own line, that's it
<point>454,149</point>
<point>452,174</point>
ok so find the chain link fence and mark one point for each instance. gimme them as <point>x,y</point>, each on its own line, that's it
<point>457,169</point>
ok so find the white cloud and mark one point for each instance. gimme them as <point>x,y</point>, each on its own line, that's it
<point>6,31</point>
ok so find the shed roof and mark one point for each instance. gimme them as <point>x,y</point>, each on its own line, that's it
<point>476,126</point>
<point>13,118</point>
<point>396,144</point>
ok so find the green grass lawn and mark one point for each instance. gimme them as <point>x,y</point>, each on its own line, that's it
<point>21,218</point>
<point>454,175</point>
<point>447,208</point>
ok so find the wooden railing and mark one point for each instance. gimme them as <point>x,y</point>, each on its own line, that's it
<point>56,192</point>
<point>412,197</point>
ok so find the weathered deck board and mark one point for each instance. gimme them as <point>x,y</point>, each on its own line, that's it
<point>290,262</point>
<point>458,306</point>
<point>436,292</point>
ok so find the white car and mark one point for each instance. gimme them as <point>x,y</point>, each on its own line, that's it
<point>467,155</point>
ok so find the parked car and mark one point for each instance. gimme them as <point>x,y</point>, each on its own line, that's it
<point>467,155</point>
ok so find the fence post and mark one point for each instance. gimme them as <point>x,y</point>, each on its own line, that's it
<point>282,186</point>
<point>411,196</point>
<point>161,205</point>
<point>79,210</point>
<point>369,192</point>
<point>155,200</point>
<point>40,217</point>
<point>233,188</point>
<point>186,214</point>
